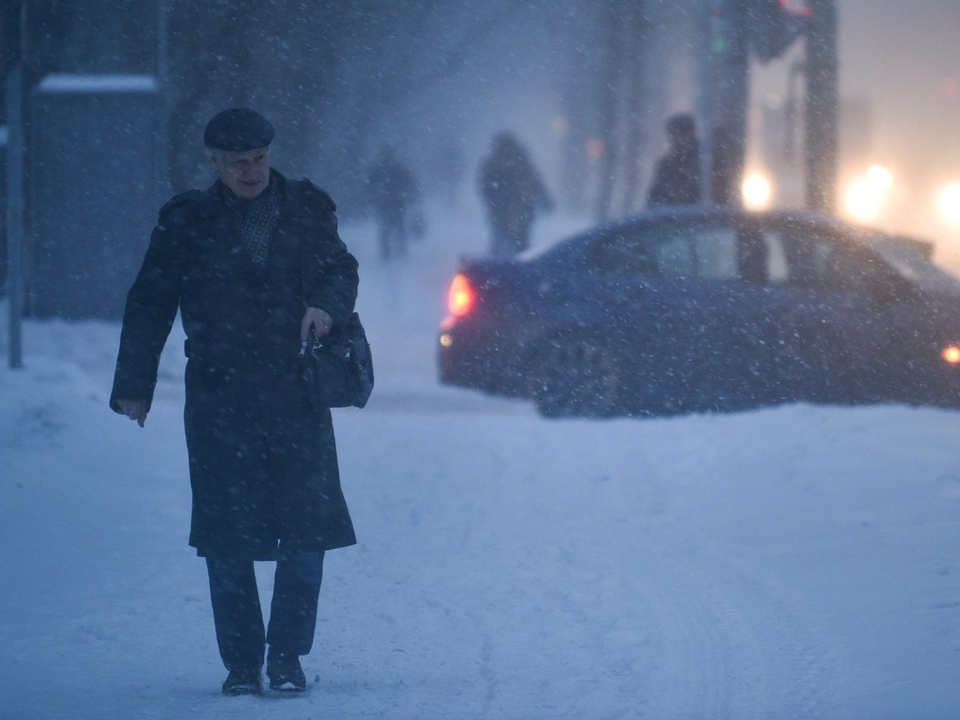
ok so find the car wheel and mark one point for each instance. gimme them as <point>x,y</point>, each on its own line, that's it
<point>576,378</point>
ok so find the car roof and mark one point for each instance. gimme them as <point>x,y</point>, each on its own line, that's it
<point>706,213</point>
<point>701,213</point>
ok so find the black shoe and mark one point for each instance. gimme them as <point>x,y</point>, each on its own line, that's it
<point>243,681</point>
<point>285,673</point>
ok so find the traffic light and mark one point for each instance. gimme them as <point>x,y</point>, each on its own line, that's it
<point>774,25</point>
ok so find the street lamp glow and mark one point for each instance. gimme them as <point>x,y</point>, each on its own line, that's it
<point>756,192</point>
<point>863,201</point>
<point>595,148</point>
<point>950,203</point>
<point>879,178</point>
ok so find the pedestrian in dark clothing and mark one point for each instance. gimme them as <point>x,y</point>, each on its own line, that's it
<point>513,194</point>
<point>393,193</point>
<point>676,180</point>
<point>254,263</point>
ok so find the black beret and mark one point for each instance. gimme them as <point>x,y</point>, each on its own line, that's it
<point>237,130</point>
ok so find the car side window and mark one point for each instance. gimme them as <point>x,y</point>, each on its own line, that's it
<point>778,267</point>
<point>675,251</point>
<point>818,261</point>
<point>716,252</point>
<point>763,257</point>
<point>707,252</point>
<point>674,257</point>
<point>623,251</point>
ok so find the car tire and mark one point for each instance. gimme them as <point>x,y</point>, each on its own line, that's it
<point>576,377</point>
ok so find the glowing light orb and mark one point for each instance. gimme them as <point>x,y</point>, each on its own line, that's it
<point>879,178</point>
<point>595,149</point>
<point>950,203</point>
<point>756,192</point>
<point>864,202</point>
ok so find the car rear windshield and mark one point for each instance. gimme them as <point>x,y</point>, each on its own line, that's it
<point>913,266</point>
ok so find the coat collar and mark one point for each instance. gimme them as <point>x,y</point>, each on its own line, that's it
<point>210,205</point>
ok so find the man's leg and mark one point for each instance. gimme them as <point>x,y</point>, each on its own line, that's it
<point>293,611</point>
<point>401,230</point>
<point>236,612</point>
<point>400,233</point>
<point>384,240</point>
<point>293,618</point>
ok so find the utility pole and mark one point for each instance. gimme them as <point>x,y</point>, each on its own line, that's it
<point>609,104</point>
<point>724,87</point>
<point>821,111</point>
<point>635,59</point>
<point>13,35</point>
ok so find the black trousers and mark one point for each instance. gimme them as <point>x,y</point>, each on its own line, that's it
<point>237,614</point>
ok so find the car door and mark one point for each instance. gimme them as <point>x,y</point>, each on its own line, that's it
<point>823,315</point>
<point>673,292</point>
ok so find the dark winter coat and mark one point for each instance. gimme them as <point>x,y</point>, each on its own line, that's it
<point>511,189</point>
<point>676,180</point>
<point>263,464</point>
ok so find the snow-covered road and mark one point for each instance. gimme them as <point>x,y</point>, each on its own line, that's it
<point>786,563</point>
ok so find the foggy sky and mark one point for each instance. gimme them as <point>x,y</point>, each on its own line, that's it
<point>900,54</point>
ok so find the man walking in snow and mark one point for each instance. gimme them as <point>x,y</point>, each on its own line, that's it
<point>513,194</point>
<point>254,263</point>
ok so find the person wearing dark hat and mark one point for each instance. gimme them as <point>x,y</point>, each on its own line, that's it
<point>254,263</point>
<point>676,180</point>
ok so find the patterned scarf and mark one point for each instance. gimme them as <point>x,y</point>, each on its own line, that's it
<point>256,219</point>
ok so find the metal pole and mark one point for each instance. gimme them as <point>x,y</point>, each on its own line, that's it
<point>709,33</point>
<point>730,140</point>
<point>822,113</point>
<point>724,79</point>
<point>791,115</point>
<point>15,181</point>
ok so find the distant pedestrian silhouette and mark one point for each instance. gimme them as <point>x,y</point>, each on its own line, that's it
<point>677,177</point>
<point>393,191</point>
<point>513,194</point>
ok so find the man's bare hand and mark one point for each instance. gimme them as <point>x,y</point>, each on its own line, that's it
<point>134,409</point>
<point>318,319</point>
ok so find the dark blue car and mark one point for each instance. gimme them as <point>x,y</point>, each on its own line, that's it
<point>693,309</point>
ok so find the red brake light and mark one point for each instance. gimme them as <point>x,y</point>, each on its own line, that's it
<point>462,296</point>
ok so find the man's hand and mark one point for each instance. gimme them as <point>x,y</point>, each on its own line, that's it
<point>318,319</point>
<point>134,409</point>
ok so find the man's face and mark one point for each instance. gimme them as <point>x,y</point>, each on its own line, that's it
<point>246,173</point>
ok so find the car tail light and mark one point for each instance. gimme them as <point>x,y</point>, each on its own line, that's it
<point>462,296</point>
<point>951,354</point>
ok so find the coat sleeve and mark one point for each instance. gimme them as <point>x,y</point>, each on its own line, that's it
<point>330,277</point>
<point>149,314</point>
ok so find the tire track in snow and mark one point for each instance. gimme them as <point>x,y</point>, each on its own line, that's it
<point>741,650</point>
<point>485,665</point>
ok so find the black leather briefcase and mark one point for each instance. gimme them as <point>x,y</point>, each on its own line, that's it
<point>337,369</point>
